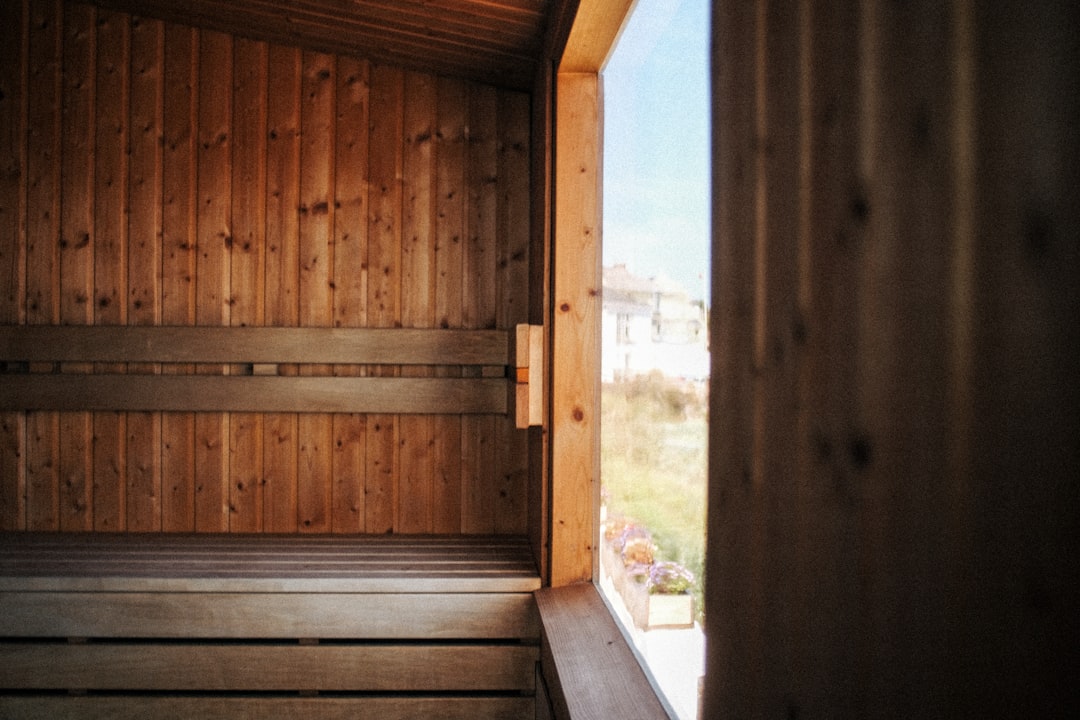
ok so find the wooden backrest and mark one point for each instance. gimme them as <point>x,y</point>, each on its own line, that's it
<point>52,368</point>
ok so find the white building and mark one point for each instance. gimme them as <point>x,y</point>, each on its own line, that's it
<point>651,324</point>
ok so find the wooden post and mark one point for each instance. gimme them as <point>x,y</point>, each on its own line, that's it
<point>575,428</point>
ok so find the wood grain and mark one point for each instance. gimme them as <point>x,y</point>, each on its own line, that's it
<point>165,172</point>
<point>452,707</point>
<point>576,331</point>
<point>181,667</point>
<point>587,663</point>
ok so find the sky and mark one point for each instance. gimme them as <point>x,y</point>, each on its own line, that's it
<point>656,144</point>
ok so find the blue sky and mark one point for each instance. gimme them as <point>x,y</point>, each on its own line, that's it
<point>656,144</point>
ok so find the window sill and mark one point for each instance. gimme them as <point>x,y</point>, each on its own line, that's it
<point>588,666</point>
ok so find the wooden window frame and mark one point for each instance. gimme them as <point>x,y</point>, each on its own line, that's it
<point>589,668</point>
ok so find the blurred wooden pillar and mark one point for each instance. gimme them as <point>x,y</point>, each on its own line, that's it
<point>893,517</point>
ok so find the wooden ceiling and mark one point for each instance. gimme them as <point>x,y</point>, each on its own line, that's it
<point>494,41</point>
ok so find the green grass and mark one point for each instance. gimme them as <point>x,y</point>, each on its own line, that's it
<point>653,465</point>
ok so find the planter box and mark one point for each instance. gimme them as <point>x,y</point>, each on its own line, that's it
<point>652,612</point>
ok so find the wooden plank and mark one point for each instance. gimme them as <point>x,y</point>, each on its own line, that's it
<point>14,91</point>
<point>398,346</point>
<point>450,144</point>
<point>280,447</point>
<point>587,663</point>
<point>249,202</point>
<point>247,268</point>
<point>349,467</point>
<point>350,281</point>
<point>540,301</point>
<point>317,211</point>
<point>183,667</point>
<point>451,707</point>
<point>280,468</point>
<point>446,473</point>
<point>77,166</point>
<point>284,84</point>
<point>215,146</point>
<point>511,488</point>
<point>212,291</point>
<point>13,469</point>
<point>596,27</point>
<point>419,199</point>
<point>479,452</point>
<point>384,278</point>
<point>351,194</point>
<point>179,233</point>
<point>43,471</point>
<point>380,487</point>
<point>145,187</point>
<point>247,563</point>
<point>208,393</point>
<point>145,250</point>
<point>77,243</point>
<point>112,101</point>
<point>416,478</point>
<point>512,295</point>
<point>314,484</point>
<point>576,331</point>
<point>289,615</point>
<point>44,129</point>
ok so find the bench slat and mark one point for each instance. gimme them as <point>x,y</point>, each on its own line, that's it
<point>206,393</point>
<point>194,667</point>
<point>248,615</point>
<point>138,707</point>
<point>265,563</point>
<point>328,346</point>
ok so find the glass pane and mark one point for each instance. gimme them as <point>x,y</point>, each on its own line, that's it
<point>655,353</point>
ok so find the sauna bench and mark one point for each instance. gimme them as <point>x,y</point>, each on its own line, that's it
<point>92,625</point>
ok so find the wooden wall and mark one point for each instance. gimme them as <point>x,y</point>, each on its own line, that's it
<point>152,173</point>
<point>894,514</point>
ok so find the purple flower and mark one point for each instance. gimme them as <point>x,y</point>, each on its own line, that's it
<point>669,578</point>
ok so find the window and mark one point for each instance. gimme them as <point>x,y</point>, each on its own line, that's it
<point>654,391</point>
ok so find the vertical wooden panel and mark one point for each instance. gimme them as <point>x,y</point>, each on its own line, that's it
<point>247,268</point>
<point>179,168</point>
<point>350,279</point>
<point>480,290</point>
<point>540,247</point>
<point>111,107</point>
<point>384,278</point>
<point>512,291</point>
<point>280,444</point>
<point>14,56</point>
<point>450,153</point>
<point>166,184</point>
<point>145,245</point>
<point>315,495</point>
<point>214,235</point>
<point>14,38</point>
<point>44,129</point>
<point>576,330</point>
<point>416,442</point>
<point>77,250</point>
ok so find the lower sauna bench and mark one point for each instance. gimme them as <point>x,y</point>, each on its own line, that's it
<point>212,626</point>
